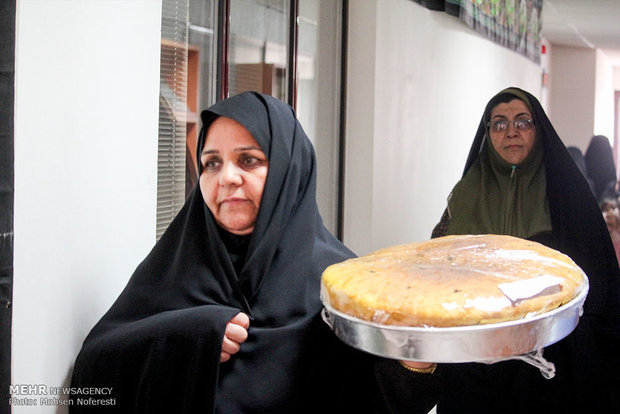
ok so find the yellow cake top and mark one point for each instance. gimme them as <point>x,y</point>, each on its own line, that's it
<point>453,281</point>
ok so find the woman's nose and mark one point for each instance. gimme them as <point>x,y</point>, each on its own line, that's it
<point>231,174</point>
<point>511,131</point>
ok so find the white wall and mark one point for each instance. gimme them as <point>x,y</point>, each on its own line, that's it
<point>86,114</point>
<point>582,98</point>
<point>572,103</point>
<point>604,97</point>
<point>547,68</point>
<point>418,82</point>
<point>616,78</point>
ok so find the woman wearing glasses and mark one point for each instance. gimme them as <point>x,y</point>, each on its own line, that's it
<point>520,180</point>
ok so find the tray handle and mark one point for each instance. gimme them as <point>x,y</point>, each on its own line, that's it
<point>327,318</point>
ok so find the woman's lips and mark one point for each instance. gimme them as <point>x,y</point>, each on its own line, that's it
<point>233,200</point>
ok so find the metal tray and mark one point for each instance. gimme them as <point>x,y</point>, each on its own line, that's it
<point>477,343</point>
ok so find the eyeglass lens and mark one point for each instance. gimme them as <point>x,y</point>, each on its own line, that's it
<point>519,124</point>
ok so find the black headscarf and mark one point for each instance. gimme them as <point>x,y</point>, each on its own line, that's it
<point>587,361</point>
<point>601,167</point>
<point>498,197</point>
<point>159,345</point>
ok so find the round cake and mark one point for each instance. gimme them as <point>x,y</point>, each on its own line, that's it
<point>453,281</point>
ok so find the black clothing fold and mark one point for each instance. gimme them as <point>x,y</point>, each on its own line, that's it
<point>159,345</point>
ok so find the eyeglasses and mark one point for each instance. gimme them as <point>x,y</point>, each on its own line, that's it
<point>501,125</point>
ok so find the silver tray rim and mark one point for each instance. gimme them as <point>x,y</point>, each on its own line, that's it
<point>427,343</point>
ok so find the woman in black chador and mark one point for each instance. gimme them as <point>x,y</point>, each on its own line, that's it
<point>223,314</point>
<point>520,180</point>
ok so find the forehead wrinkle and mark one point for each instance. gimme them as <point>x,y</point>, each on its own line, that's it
<point>249,148</point>
<point>504,116</point>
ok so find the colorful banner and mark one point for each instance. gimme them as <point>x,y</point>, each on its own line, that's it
<point>515,24</point>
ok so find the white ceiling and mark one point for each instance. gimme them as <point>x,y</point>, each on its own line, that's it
<point>584,23</point>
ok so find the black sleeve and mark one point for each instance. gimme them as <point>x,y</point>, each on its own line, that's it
<point>162,364</point>
<point>403,391</point>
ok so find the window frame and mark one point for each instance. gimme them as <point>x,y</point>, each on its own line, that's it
<point>222,86</point>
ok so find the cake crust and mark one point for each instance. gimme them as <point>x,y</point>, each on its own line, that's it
<point>453,281</point>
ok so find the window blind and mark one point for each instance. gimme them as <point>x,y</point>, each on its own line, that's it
<point>173,112</point>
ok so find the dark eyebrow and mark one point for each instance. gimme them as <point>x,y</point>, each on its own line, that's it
<point>241,149</point>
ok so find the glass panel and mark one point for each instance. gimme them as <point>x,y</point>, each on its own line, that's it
<point>202,34</point>
<point>258,47</point>
<point>318,95</point>
<point>202,69</point>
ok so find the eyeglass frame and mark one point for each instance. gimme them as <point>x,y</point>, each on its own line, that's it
<point>528,121</point>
